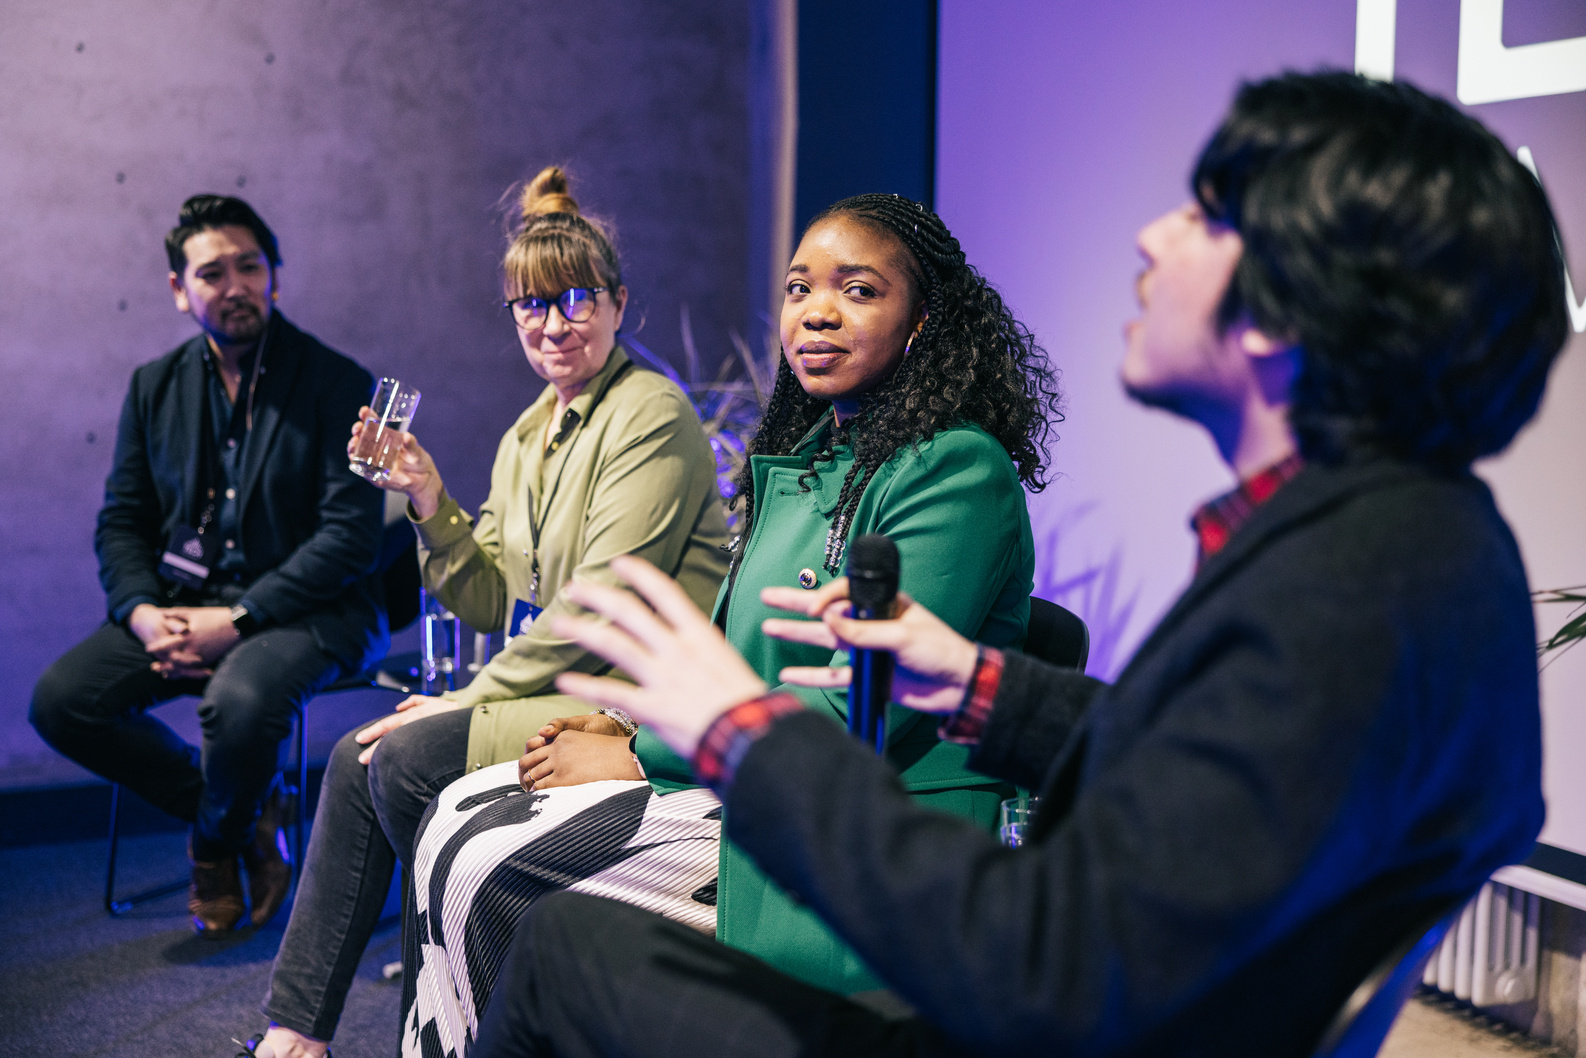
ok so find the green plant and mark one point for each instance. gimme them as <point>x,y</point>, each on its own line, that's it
<point>1574,629</point>
<point>729,406</point>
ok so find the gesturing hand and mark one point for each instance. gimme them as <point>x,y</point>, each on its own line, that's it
<point>414,707</point>
<point>687,673</point>
<point>934,663</point>
<point>414,472</point>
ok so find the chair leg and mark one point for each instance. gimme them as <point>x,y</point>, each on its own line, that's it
<point>121,907</point>
<point>300,835</point>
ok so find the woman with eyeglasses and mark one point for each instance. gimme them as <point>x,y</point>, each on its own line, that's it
<point>610,460</point>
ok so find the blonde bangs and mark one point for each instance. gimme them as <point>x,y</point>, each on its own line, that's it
<point>545,263</point>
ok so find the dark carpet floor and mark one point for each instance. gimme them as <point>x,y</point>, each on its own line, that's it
<point>75,981</point>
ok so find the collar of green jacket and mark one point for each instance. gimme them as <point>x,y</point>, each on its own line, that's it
<point>842,458</point>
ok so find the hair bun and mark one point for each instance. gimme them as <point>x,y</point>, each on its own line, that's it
<point>546,193</point>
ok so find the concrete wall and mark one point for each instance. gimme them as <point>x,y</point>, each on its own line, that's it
<point>376,138</point>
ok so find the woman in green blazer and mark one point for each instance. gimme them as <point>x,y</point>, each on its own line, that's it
<point>909,402</point>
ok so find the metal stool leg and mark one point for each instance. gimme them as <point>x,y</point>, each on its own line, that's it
<point>121,907</point>
<point>300,834</point>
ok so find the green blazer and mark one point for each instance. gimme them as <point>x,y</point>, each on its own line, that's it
<point>629,471</point>
<point>956,511</point>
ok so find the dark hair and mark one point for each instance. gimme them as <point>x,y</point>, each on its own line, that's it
<point>1411,257</point>
<point>555,246</point>
<point>202,212</point>
<point>972,362</point>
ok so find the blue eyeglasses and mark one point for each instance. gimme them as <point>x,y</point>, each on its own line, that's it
<point>576,304</point>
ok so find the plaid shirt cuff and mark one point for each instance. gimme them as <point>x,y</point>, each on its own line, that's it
<point>732,733</point>
<point>965,725</point>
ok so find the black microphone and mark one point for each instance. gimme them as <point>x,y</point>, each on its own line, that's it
<point>873,591</point>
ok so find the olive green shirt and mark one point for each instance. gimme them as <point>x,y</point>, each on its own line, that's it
<point>627,471</point>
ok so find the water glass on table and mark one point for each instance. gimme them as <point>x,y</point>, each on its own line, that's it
<point>1016,815</point>
<point>390,414</point>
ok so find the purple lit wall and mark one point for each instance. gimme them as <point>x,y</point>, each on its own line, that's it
<point>376,139</point>
<point>1063,127</point>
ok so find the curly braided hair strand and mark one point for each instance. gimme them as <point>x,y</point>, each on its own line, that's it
<point>971,363</point>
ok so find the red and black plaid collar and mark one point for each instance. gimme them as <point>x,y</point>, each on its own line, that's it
<point>1219,520</point>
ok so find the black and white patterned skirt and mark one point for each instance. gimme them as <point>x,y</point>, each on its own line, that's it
<point>487,850</point>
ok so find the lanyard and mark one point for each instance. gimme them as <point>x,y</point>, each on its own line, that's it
<point>556,443</point>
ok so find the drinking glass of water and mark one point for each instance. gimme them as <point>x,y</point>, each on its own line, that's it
<point>1016,815</point>
<point>390,413</point>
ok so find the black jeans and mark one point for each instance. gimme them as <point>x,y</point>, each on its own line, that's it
<point>366,820</point>
<point>593,977</point>
<point>91,706</point>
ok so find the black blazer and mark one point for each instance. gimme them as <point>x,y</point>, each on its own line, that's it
<point>1333,734</point>
<point>310,527</point>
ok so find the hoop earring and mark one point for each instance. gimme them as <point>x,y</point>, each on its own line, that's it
<point>908,346</point>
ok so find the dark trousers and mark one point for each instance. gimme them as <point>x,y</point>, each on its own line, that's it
<point>91,706</point>
<point>593,977</point>
<point>367,819</point>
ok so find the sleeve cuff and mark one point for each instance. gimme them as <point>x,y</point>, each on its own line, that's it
<point>445,527</point>
<point>251,604</point>
<point>124,611</point>
<point>966,725</point>
<point>729,737</point>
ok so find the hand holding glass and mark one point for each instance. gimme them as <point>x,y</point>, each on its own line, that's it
<point>391,412</point>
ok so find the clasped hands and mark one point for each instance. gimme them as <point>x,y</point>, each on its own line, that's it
<point>185,641</point>
<point>687,674</point>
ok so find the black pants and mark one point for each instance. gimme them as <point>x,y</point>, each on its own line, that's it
<point>91,706</point>
<point>592,977</point>
<point>366,820</point>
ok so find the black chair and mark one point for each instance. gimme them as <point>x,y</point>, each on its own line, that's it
<point>400,577</point>
<point>1362,1023</point>
<point>1056,636</point>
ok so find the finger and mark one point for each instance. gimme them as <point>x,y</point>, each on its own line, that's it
<point>551,727</point>
<point>661,592</point>
<point>808,603</point>
<point>542,771</point>
<point>824,677</point>
<point>534,758</point>
<point>378,728</point>
<point>814,633</point>
<point>412,702</point>
<point>624,610</point>
<point>166,643</point>
<point>869,635</point>
<point>363,758</point>
<point>608,641</point>
<point>602,690</point>
<point>537,742</point>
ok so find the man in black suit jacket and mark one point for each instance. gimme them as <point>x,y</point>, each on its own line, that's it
<point>234,548</point>
<point>1331,737</point>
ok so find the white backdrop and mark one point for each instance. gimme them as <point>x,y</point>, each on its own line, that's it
<point>1065,126</point>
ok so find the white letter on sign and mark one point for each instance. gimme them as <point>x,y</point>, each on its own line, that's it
<point>1490,72</point>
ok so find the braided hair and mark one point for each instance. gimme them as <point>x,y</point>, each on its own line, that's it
<point>971,363</point>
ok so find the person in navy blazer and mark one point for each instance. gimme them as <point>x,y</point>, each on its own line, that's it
<point>1331,739</point>
<point>236,550</point>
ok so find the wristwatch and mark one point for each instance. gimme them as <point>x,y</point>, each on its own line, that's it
<point>243,621</point>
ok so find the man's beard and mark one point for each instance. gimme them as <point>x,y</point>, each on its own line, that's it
<point>240,326</point>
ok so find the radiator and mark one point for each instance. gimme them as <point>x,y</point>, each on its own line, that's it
<point>1490,955</point>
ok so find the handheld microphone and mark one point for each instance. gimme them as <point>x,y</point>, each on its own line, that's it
<point>873,590</point>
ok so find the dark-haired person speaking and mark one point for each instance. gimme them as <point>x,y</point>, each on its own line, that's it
<point>233,547</point>
<point>1331,737</point>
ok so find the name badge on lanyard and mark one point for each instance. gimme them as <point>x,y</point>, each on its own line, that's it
<point>523,615</point>
<point>190,554</point>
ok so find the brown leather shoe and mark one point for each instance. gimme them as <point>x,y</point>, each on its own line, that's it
<point>215,897</point>
<point>269,873</point>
